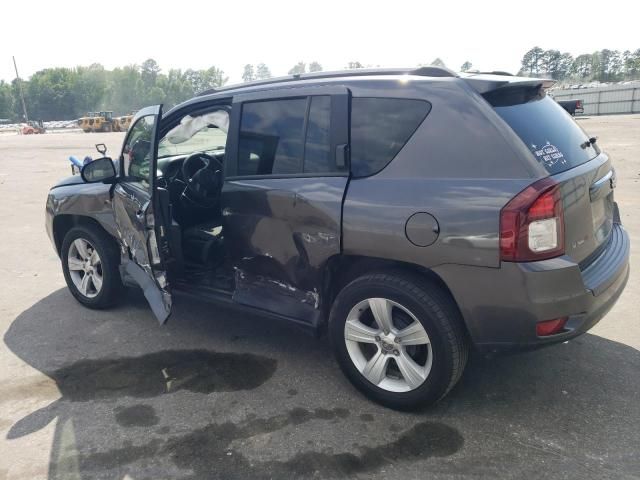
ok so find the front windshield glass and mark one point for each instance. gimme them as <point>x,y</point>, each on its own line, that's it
<point>207,139</point>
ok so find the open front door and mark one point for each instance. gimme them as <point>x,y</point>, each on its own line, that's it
<point>134,204</point>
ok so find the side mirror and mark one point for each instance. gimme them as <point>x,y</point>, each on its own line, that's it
<point>102,149</point>
<point>100,170</point>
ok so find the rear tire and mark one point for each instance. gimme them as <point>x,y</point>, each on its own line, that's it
<point>421,354</point>
<point>93,278</point>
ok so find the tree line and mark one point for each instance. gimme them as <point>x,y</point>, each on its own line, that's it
<point>603,65</point>
<point>69,93</point>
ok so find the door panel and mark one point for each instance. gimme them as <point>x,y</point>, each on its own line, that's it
<point>133,204</point>
<point>280,232</point>
<point>282,226</point>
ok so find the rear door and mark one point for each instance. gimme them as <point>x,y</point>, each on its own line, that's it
<point>585,173</point>
<point>286,173</point>
<point>134,207</point>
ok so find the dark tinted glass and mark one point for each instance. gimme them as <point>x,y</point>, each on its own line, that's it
<point>317,154</point>
<point>553,137</point>
<point>271,137</point>
<point>379,129</point>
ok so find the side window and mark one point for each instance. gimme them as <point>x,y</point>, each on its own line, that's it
<point>317,150</point>
<point>137,152</point>
<point>380,127</point>
<point>271,137</point>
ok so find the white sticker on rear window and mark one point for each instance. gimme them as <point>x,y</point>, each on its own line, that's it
<point>549,155</point>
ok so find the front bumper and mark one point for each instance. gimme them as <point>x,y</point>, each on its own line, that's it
<point>502,306</point>
<point>48,222</point>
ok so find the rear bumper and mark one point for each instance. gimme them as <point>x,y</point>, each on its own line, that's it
<point>502,306</point>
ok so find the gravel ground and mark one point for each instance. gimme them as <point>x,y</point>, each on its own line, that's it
<point>215,394</point>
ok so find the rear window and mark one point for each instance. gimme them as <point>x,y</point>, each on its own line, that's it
<point>554,138</point>
<point>379,129</point>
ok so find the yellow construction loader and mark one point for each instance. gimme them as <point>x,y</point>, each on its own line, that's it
<point>97,122</point>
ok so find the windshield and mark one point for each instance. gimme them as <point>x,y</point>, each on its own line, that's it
<point>206,140</point>
<point>202,133</point>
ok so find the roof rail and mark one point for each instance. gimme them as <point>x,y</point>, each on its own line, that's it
<point>493,72</point>
<point>501,72</point>
<point>429,71</point>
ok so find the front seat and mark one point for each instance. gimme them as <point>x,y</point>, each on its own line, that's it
<point>203,244</point>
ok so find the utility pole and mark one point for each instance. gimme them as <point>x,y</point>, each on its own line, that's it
<point>24,107</point>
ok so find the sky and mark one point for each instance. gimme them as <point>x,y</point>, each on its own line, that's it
<point>493,35</point>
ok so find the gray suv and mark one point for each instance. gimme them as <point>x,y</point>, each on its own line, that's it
<point>410,214</point>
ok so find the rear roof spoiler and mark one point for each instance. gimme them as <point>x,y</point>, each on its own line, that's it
<point>483,83</point>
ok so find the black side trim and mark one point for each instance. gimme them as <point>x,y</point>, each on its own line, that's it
<point>224,299</point>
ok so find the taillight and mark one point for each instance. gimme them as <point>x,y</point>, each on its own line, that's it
<point>532,224</point>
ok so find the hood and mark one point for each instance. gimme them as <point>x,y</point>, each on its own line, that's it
<point>73,180</point>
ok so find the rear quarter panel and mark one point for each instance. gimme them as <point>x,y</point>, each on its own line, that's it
<point>462,165</point>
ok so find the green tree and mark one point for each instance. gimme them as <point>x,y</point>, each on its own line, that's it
<point>615,66</point>
<point>17,101</point>
<point>531,61</point>
<point>438,63</point>
<point>90,89</point>
<point>631,64</point>
<point>298,68</point>
<point>175,87</point>
<point>596,66</point>
<point>550,62</point>
<point>201,80</point>
<point>194,79</point>
<point>315,67</point>
<point>213,77</point>
<point>51,94</point>
<point>149,71</point>
<point>155,96</point>
<point>262,72</point>
<point>582,66</point>
<point>608,65</point>
<point>124,90</point>
<point>6,101</point>
<point>466,66</point>
<point>248,74</point>
<point>564,66</point>
<point>354,65</point>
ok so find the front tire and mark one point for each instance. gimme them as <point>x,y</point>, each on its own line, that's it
<point>399,339</point>
<point>90,262</point>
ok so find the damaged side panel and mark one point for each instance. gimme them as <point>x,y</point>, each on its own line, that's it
<point>281,232</point>
<point>159,300</point>
<point>276,296</point>
<point>139,250</point>
<point>91,200</point>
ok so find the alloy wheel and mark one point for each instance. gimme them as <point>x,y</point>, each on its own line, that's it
<point>388,345</point>
<point>85,267</point>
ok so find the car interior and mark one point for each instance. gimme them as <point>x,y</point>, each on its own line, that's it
<point>190,179</point>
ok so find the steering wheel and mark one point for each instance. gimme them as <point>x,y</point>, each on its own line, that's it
<point>203,176</point>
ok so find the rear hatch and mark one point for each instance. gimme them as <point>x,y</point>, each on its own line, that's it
<point>572,159</point>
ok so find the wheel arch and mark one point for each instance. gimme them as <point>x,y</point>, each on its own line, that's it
<point>62,223</point>
<point>340,270</point>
